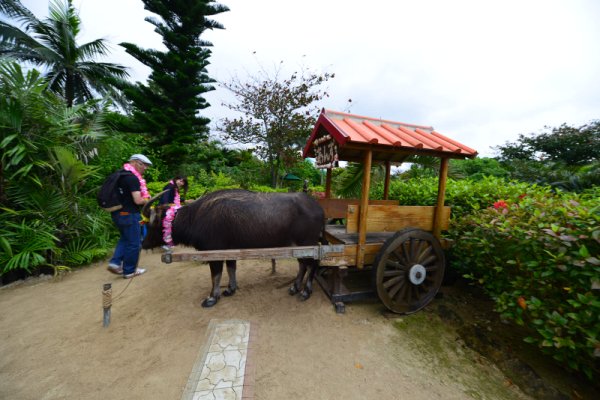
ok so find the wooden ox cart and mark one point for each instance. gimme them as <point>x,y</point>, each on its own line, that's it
<point>383,248</point>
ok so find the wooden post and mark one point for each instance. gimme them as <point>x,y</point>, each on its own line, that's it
<point>106,303</point>
<point>386,185</point>
<point>437,219</point>
<point>364,207</point>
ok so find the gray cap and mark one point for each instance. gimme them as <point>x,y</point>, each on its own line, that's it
<point>141,158</point>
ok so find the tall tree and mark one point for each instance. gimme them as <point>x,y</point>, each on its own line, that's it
<point>52,44</point>
<point>565,157</point>
<point>167,107</point>
<point>278,114</point>
<point>565,144</point>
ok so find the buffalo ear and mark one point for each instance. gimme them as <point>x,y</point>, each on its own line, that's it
<point>146,209</point>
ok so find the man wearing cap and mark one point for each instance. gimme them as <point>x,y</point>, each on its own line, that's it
<point>134,194</point>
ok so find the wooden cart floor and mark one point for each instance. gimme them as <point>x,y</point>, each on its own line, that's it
<point>337,234</point>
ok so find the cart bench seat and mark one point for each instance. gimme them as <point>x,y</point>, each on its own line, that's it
<point>338,234</point>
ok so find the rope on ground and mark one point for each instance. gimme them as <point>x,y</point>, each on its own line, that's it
<point>123,291</point>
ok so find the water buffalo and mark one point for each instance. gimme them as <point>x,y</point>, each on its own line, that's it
<point>240,219</point>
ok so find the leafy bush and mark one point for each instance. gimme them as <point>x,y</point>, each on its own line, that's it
<point>537,256</point>
<point>219,181</point>
<point>464,196</point>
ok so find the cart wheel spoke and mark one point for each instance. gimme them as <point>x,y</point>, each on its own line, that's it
<point>425,255</point>
<point>400,297</point>
<point>408,270</point>
<point>429,261</point>
<point>393,281</point>
<point>393,272</point>
<point>394,290</point>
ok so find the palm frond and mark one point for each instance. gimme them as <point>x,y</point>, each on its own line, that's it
<point>25,245</point>
<point>16,11</point>
<point>349,184</point>
<point>81,251</point>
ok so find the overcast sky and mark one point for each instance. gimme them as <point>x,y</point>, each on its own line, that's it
<point>478,71</point>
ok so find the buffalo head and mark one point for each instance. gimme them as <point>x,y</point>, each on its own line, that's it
<point>154,217</point>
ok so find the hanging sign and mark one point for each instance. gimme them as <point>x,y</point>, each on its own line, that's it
<point>326,152</point>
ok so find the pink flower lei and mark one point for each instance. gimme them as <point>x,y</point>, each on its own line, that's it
<point>143,187</point>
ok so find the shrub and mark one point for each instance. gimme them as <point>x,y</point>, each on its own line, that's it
<point>537,256</point>
<point>464,196</point>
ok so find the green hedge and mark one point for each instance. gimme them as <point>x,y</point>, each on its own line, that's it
<point>537,254</point>
<point>534,251</point>
<point>464,196</point>
<point>210,183</point>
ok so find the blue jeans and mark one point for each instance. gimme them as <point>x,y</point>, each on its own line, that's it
<point>127,252</point>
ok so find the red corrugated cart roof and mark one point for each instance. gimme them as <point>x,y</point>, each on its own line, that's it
<point>388,140</point>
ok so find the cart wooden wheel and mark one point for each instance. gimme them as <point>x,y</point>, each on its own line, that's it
<point>408,270</point>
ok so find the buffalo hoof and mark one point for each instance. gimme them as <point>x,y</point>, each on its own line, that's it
<point>209,302</point>
<point>292,290</point>
<point>305,295</point>
<point>228,292</point>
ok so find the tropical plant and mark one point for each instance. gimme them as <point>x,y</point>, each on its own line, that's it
<point>70,69</point>
<point>45,146</point>
<point>348,183</point>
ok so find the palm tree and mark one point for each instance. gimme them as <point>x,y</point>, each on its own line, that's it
<point>52,43</point>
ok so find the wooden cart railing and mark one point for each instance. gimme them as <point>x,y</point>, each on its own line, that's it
<point>385,218</point>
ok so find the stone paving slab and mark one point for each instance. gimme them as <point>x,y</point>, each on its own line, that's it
<point>224,369</point>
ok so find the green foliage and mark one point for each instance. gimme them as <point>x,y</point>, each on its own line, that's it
<point>477,168</point>
<point>566,145</point>
<point>267,189</point>
<point>277,115</point>
<point>305,169</point>
<point>537,254</point>
<point>167,108</point>
<point>348,183</point>
<point>464,196</point>
<point>25,244</point>
<point>527,245</point>
<point>198,188</point>
<point>562,158</point>
<point>556,174</point>
<point>42,180</point>
<point>52,44</point>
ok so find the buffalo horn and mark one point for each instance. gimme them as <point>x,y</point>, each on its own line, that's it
<point>146,208</point>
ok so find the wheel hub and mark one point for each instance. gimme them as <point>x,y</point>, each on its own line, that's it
<point>417,274</point>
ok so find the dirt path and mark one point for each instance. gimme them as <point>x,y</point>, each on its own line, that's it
<point>53,344</point>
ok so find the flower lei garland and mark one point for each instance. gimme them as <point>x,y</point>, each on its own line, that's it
<point>170,216</point>
<point>143,187</point>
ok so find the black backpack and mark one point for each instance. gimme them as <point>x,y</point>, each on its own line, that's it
<point>109,196</point>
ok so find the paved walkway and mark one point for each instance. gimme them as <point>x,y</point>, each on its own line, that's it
<point>224,368</point>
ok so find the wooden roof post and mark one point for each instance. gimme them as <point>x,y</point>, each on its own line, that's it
<point>364,207</point>
<point>328,184</point>
<point>439,209</point>
<point>386,185</point>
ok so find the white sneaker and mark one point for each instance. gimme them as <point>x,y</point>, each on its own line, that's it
<point>115,269</point>
<point>137,272</point>
<point>167,248</point>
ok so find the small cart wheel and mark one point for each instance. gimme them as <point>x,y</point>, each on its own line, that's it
<point>408,270</point>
